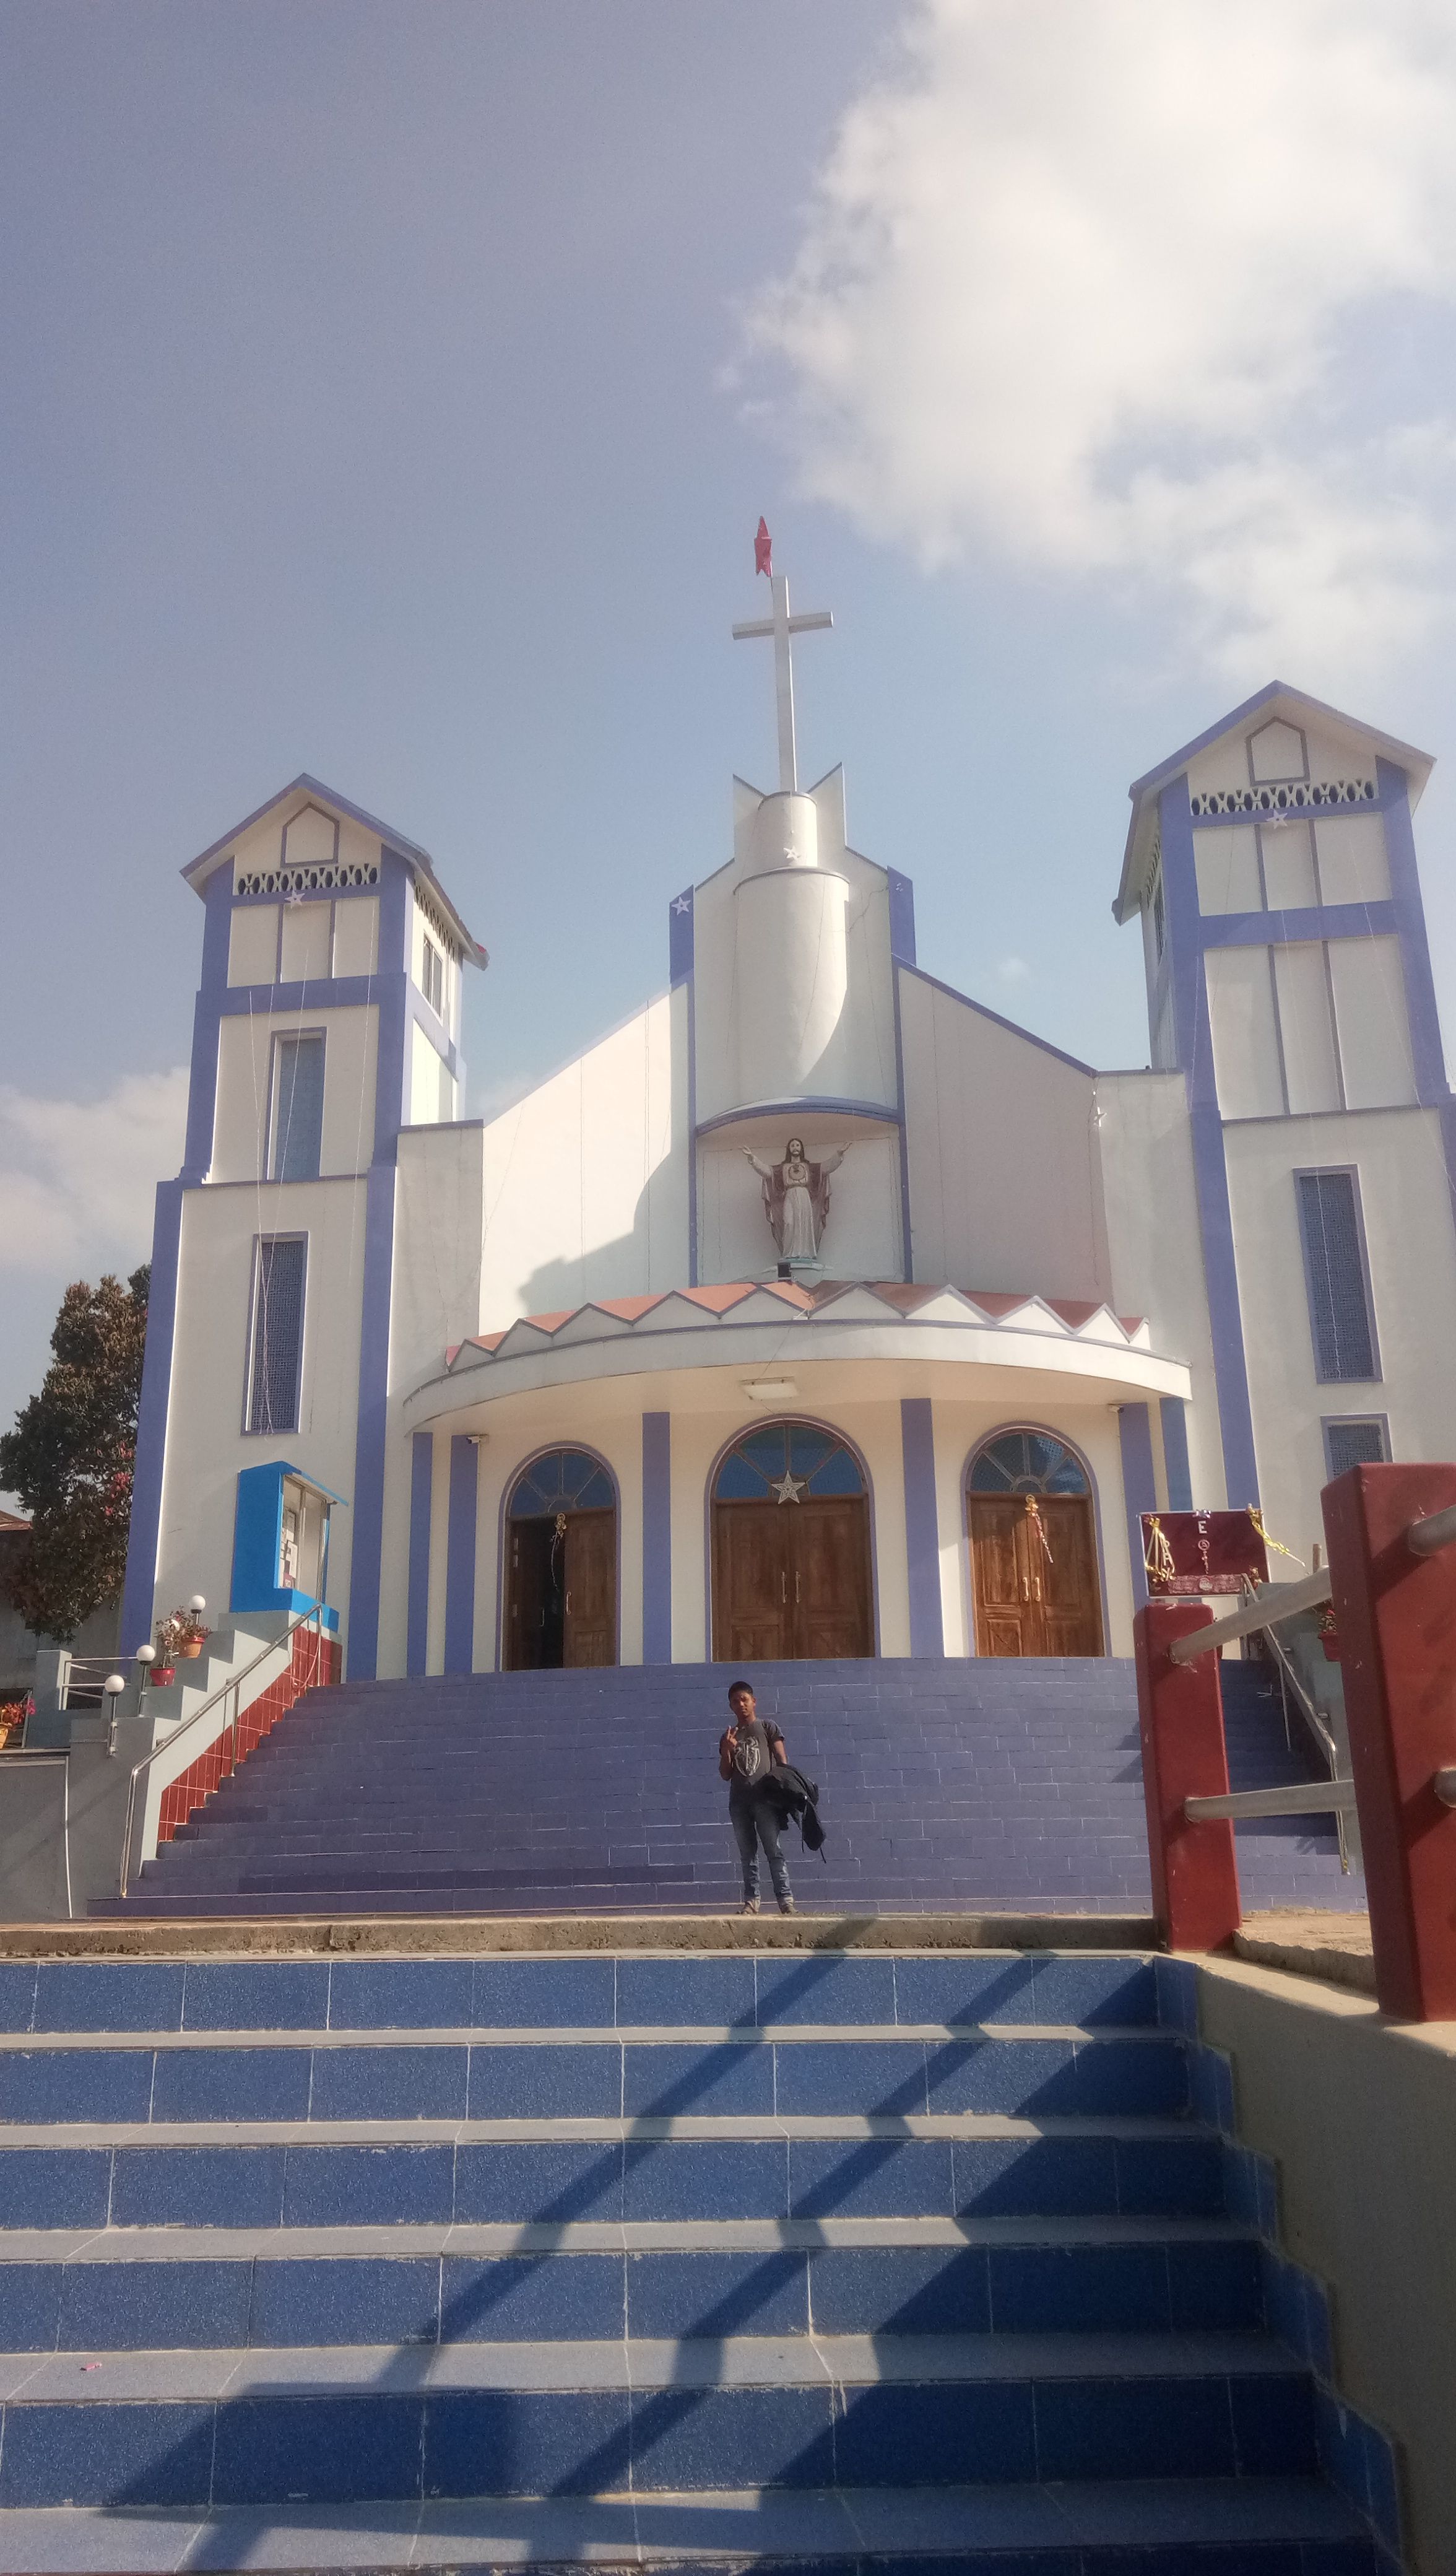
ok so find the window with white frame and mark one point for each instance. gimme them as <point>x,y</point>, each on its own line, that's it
<point>1342,1325</point>
<point>275,1340</point>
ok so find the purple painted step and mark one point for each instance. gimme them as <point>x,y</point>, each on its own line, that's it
<point>973,1784</point>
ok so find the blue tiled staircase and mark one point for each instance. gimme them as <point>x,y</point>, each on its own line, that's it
<point>778,2260</point>
<point>944,1783</point>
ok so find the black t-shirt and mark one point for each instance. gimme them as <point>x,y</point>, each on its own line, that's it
<point>751,1756</point>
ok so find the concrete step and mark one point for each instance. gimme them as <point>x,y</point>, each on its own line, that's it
<point>1272,2526</point>
<point>455,2172</point>
<point>123,2289</point>
<point>237,2426</point>
<point>1089,1989</point>
<point>321,2077</point>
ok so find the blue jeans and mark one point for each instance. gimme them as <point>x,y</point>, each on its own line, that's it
<point>752,1826</point>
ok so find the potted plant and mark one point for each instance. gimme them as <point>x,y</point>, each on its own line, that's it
<point>180,1639</point>
<point>1329,1635</point>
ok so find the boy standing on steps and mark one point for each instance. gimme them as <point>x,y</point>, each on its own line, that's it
<point>745,1751</point>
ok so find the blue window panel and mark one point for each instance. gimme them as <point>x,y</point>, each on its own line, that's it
<point>1354,1444</point>
<point>566,1480</point>
<point>761,1459</point>
<point>298,1108</point>
<point>277,1353</point>
<point>1027,1462</point>
<point>1339,1311</point>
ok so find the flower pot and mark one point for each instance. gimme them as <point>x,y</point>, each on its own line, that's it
<point>1331,1645</point>
<point>161,1674</point>
<point>189,1649</point>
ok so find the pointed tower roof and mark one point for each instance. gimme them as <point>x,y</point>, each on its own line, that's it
<point>1278,703</point>
<point>305,790</point>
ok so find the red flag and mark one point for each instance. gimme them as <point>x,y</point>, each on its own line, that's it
<point>763,550</point>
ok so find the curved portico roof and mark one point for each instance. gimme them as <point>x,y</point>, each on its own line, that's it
<point>747,1324</point>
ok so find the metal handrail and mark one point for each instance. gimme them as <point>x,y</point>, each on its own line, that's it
<point>1424,1538</point>
<point>1319,1733</point>
<point>1428,1537</point>
<point>1337,1798</point>
<point>1311,1594</point>
<point>304,1619</point>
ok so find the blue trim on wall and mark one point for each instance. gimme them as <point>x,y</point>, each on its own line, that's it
<point>1017,1031</point>
<point>657,1538</point>
<point>1173,1413</point>
<point>692,983</point>
<point>206,1013</point>
<point>1409,922</point>
<point>680,937</point>
<point>1139,1488</point>
<point>922,1527</point>
<point>319,993</point>
<point>151,1443</point>
<point>902,918</point>
<point>1309,921</point>
<point>907,1236</point>
<point>805,1106</point>
<point>422,1484</point>
<point>460,1555</point>
<point>390,991</point>
<point>1210,1167</point>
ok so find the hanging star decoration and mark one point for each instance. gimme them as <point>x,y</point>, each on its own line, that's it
<point>789,1487</point>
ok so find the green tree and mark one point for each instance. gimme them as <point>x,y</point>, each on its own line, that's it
<point>70,1457</point>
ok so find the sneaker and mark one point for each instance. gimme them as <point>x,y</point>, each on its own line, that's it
<point>786,1905</point>
<point>749,1905</point>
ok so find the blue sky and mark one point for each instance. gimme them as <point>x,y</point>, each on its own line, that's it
<point>392,393</point>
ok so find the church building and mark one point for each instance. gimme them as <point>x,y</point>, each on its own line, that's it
<point>817,1310</point>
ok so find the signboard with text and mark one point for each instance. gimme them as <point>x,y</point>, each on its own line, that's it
<point>1200,1552</point>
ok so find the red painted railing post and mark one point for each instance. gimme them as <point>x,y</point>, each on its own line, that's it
<point>1396,1617</point>
<point>1180,1719</point>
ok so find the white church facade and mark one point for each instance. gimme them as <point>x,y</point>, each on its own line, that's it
<point>816,1310</point>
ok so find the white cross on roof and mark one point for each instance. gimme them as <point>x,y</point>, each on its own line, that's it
<point>781,626</point>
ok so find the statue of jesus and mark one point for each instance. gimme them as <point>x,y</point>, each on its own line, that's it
<point>796,1198</point>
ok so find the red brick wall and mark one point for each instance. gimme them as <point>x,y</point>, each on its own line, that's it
<point>315,1663</point>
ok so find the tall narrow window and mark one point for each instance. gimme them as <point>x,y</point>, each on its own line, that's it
<point>1339,1309</point>
<point>298,1108</point>
<point>275,1359</point>
<point>1356,1443</point>
<point>434,978</point>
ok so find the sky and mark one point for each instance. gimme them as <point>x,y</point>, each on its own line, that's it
<point>392,393</point>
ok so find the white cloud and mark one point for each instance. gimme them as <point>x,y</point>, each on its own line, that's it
<point>1090,282</point>
<point>77,1177</point>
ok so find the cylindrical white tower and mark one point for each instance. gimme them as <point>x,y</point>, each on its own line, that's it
<point>791,960</point>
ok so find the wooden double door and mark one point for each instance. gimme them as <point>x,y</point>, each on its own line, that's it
<point>1034,1575</point>
<point>792,1580</point>
<point>561,1591</point>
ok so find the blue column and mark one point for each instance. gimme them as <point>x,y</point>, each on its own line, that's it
<point>377,1285</point>
<point>422,1475</point>
<point>1210,1166</point>
<point>657,1538</point>
<point>1174,1414</point>
<point>922,1530</point>
<point>1139,1492</point>
<point>460,1557</point>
